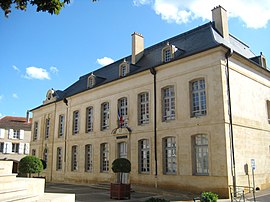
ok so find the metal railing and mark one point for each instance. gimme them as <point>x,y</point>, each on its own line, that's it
<point>241,192</point>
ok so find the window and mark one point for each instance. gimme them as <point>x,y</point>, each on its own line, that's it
<point>33,152</point>
<point>89,119</point>
<point>61,125</point>
<point>47,128</point>
<point>59,158</point>
<point>75,122</point>
<point>169,155</point>
<point>88,158</point>
<point>1,147</point>
<point>16,134</point>
<point>200,143</point>
<point>74,160</point>
<point>91,81</point>
<point>167,54</point>
<point>268,110</point>
<point>45,155</point>
<point>168,106</point>
<point>198,98</point>
<point>15,147</point>
<point>105,116</point>
<point>104,151</point>
<point>35,131</point>
<point>143,101</point>
<point>144,156</point>
<point>123,69</point>
<point>122,112</point>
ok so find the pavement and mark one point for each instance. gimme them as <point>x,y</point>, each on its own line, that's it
<point>93,193</point>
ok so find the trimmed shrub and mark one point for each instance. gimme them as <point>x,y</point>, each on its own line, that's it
<point>209,197</point>
<point>29,165</point>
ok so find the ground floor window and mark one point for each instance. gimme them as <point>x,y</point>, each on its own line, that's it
<point>74,155</point>
<point>200,144</point>
<point>104,151</point>
<point>169,155</point>
<point>144,156</point>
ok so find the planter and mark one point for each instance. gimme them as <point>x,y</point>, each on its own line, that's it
<point>120,191</point>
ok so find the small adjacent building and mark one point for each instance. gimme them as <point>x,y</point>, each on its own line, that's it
<point>15,136</point>
<point>189,113</point>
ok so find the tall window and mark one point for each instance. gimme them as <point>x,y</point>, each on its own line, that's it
<point>168,105</point>
<point>104,151</point>
<point>198,98</point>
<point>268,110</point>
<point>169,155</point>
<point>33,152</point>
<point>47,128</point>
<point>75,122</point>
<point>167,54</point>
<point>89,119</point>
<point>122,112</point>
<point>91,81</point>
<point>201,154</point>
<point>123,70</point>
<point>74,158</point>
<point>105,116</point>
<point>59,159</point>
<point>35,131</point>
<point>88,158</point>
<point>15,147</point>
<point>144,156</point>
<point>45,155</point>
<point>16,134</point>
<point>1,147</point>
<point>143,101</point>
<point>61,125</point>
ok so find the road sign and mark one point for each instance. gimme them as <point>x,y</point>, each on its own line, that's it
<point>253,164</point>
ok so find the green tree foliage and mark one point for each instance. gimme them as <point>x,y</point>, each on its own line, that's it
<point>121,165</point>
<point>209,197</point>
<point>50,6</point>
<point>30,164</point>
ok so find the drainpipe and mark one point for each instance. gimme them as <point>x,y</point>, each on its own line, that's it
<point>154,72</point>
<point>65,134</point>
<point>53,141</point>
<point>227,56</point>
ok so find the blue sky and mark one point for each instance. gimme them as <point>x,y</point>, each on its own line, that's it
<point>39,51</point>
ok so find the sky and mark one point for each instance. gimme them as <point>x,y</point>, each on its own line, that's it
<point>39,51</point>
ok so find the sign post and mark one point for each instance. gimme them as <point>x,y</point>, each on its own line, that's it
<point>253,166</point>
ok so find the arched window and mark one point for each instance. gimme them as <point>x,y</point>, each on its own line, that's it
<point>91,81</point>
<point>198,97</point>
<point>123,68</point>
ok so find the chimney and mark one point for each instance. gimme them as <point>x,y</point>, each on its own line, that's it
<point>137,47</point>
<point>220,19</point>
<point>27,116</point>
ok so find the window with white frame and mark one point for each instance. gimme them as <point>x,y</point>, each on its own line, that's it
<point>2,147</point>
<point>144,156</point>
<point>168,104</point>
<point>45,155</point>
<point>143,102</point>
<point>123,70</point>
<point>104,151</point>
<point>200,161</point>
<point>74,158</point>
<point>75,122</point>
<point>61,126</point>
<point>16,134</point>
<point>89,119</point>
<point>59,158</point>
<point>169,155</point>
<point>122,112</point>
<point>167,54</point>
<point>88,158</point>
<point>15,147</point>
<point>35,131</point>
<point>105,116</point>
<point>91,81</point>
<point>47,128</point>
<point>198,98</point>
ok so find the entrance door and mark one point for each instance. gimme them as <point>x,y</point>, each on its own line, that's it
<point>122,153</point>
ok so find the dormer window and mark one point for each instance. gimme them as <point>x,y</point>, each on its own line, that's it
<point>123,69</point>
<point>51,96</point>
<point>91,81</point>
<point>168,52</point>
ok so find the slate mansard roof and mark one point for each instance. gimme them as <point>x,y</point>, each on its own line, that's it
<point>194,41</point>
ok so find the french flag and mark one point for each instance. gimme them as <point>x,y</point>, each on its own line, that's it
<point>120,119</point>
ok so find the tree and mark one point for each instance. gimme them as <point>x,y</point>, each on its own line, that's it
<point>121,165</point>
<point>30,164</point>
<point>50,6</point>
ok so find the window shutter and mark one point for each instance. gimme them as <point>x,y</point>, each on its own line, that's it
<point>2,133</point>
<point>10,134</point>
<point>7,147</point>
<point>26,148</point>
<point>21,146</point>
<point>21,134</point>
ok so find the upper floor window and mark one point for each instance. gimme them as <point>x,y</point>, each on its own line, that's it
<point>122,112</point>
<point>144,156</point>
<point>89,119</point>
<point>88,158</point>
<point>61,125</point>
<point>143,102</point>
<point>200,161</point>
<point>75,122</point>
<point>91,81</point>
<point>74,158</point>
<point>168,52</point>
<point>104,160</point>
<point>35,131</point>
<point>268,110</point>
<point>59,158</point>
<point>16,134</point>
<point>123,69</point>
<point>105,116</point>
<point>169,155</point>
<point>47,128</point>
<point>45,155</point>
<point>168,105</point>
<point>198,98</point>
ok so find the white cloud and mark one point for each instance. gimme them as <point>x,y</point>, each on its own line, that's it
<point>105,61</point>
<point>36,73</point>
<point>54,70</point>
<point>254,14</point>
<point>14,95</point>
<point>15,68</point>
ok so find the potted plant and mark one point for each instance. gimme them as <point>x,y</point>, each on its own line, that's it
<point>120,190</point>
